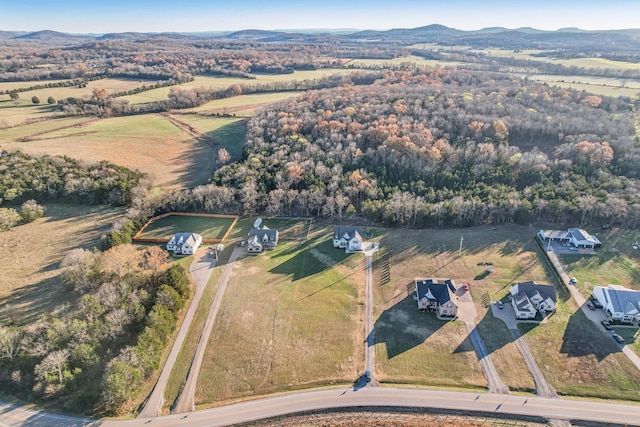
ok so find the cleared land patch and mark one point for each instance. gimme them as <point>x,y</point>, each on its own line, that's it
<point>222,132</point>
<point>29,281</point>
<point>209,227</point>
<point>12,114</point>
<point>287,322</point>
<point>435,253</point>
<point>149,143</point>
<point>242,103</point>
<point>41,129</point>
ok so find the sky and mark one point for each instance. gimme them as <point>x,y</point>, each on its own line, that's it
<point>105,16</point>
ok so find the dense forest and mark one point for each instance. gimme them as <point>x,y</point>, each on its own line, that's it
<point>443,147</point>
<point>52,178</point>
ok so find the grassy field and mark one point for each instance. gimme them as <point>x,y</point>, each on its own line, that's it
<point>12,114</point>
<point>222,82</point>
<point>109,84</point>
<point>170,156</point>
<point>291,319</point>
<point>207,227</point>
<point>29,281</point>
<point>578,359</point>
<point>596,89</point>
<point>616,263</point>
<point>242,103</point>
<point>41,129</point>
<point>17,85</point>
<point>434,253</point>
<point>225,132</point>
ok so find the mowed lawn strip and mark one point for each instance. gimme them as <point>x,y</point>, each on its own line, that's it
<point>578,359</point>
<point>170,156</point>
<point>30,285</point>
<point>436,253</point>
<point>290,319</point>
<point>208,227</point>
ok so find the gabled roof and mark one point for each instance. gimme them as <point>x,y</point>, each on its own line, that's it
<point>622,300</point>
<point>440,290</point>
<point>531,289</point>
<point>347,232</point>
<point>264,234</point>
<point>182,238</point>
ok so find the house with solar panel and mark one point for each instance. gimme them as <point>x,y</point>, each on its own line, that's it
<point>438,295</point>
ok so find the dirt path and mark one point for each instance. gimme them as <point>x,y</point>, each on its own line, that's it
<point>186,400</point>
<point>200,271</point>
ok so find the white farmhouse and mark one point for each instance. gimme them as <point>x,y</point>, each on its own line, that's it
<point>528,298</point>
<point>184,243</point>
<point>348,238</point>
<point>619,303</point>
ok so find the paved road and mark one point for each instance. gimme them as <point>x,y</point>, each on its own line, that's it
<point>468,314</point>
<point>489,403</point>
<point>186,400</point>
<point>200,271</point>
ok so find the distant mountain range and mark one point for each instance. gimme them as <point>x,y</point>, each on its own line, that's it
<point>487,37</point>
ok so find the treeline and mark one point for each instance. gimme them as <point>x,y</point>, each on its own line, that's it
<point>54,178</point>
<point>105,106</point>
<point>440,147</point>
<point>95,356</point>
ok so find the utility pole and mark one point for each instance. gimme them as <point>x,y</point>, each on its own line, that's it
<point>460,250</point>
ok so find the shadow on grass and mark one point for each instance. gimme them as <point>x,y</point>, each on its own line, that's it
<point>307,259</point>
<point>494,334</point>
<point>582,337</point>
<point>26,304</point>
<point>230,137</point>
<point>403,327</point>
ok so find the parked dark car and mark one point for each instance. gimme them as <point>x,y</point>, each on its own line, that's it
<point>500,305</point>
<point>591,306</point>
<point>618,338</point>
<point>606,324</point>
<point>596,303</point>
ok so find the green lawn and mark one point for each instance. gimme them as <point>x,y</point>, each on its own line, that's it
<point>42,129</point>
<point>616,262</point>
<point>225,132</point>
<point>435,253</point>
<point>579,359</point>
<point>290,319</point>
<point>207,227</point>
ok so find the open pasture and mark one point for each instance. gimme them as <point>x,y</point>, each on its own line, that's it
<point>291,318</point>
<point>412,59</point>
<point>223,82</point>
<point>41,129</point>
<point>8,86</point>
<point>170,156</point>
<point>223,132</point>
<point>243,104</point>
<point>209,227</point>
<point>30,285</point>
<point>23,113</point>
<point>109,84</point>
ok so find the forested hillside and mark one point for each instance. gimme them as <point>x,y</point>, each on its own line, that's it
<point>436,147</point>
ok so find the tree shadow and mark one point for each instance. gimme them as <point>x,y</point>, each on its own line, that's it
<point>403,327</point>
<point>308,259</point>
<point>27,303</point>
<point>494,334</point>
<point>231,137</point>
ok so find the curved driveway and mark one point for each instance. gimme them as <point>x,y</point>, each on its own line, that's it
<point>488,403</point>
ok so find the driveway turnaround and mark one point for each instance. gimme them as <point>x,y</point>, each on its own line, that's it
<point>200,271</point>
